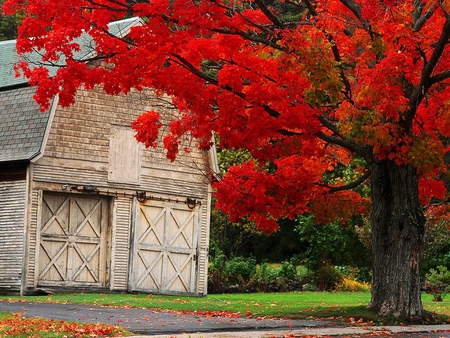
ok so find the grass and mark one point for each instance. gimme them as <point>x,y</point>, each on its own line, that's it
<point>295,305</point>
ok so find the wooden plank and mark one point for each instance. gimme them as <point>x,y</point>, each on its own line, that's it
<point>12,220</point>
<point>120,243</point>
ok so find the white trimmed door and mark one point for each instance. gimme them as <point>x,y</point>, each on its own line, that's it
<point>73,240</point>
<point>165,249</point>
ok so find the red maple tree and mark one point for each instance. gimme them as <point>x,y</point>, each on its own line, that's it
<point>306,86</point>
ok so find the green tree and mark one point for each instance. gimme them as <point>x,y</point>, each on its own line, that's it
<point>332,245</point>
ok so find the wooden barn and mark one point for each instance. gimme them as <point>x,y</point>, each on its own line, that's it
<point>85,207</point>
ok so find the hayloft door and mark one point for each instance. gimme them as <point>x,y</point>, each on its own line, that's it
<point>73,241</point>
<point>165,249</point>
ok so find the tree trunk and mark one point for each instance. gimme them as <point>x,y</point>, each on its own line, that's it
<point>398,235</point>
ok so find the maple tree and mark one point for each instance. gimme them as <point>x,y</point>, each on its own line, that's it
<point>306,86</point>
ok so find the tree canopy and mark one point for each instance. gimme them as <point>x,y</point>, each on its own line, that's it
<point>307,87</point>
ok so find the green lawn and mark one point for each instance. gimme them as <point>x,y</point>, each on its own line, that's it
<point>330,305</point>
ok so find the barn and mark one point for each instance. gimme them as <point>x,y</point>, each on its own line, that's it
<point>84,207</point>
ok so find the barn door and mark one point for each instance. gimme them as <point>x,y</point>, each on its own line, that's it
<point>165,249</point>
<point>73,241</point>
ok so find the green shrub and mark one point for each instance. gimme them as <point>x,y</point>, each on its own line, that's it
<point>327,277</point>
<point>264,276</point>
<point>288,270</point>
<point>328,246</point>
<point>437,283</point>
<point>216,267</point>
<point>240,270</point>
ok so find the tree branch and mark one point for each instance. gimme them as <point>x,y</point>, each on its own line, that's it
<point>426,79</point>
<point>126,7</point>
<point>440,77</point>
<point>419,20</point>
<point>356,10</point>
<point>187,65</point>
<point>334,49</point>
<point>341,142</point>
<point>269,14</point>
<point>339,139</point>
<point>249,37</point>
<point>311,8</point>
<point>351,185</point>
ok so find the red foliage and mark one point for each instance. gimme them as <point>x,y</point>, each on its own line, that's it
<point>34,327</point>
<point>304,92</point>
<point>212,314</point>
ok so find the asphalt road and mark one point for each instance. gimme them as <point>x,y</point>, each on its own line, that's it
<point>149,322</point>
<point>158,324</point>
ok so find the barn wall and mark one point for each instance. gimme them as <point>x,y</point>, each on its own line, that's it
<point>79,143</point>
<point>32,239</point>
<point>12,220</point>
<point>78,152</point>
<point>203,248</point>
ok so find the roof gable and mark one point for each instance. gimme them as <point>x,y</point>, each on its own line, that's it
<point>22,125</point>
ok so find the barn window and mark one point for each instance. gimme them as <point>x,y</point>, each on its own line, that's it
<point>13,172</point>
<point>124,156</point>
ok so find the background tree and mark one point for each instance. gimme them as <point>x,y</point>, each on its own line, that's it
<point>305,86</point>
<point>8,25</point>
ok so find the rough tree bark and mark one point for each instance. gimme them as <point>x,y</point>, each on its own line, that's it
<point>398,235</point>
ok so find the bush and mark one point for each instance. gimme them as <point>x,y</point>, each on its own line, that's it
<point>327,277</point>
<point>215,272</point>
<point>232,275</point>
<point>288,270</point>
<point>265,275</point>
<point>331,245</point>
<point>240,270</point>
<point>437,283</point>
<point>240,274</point>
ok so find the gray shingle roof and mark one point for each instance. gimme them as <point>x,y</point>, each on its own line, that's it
<point>7,59</point>
<point>8,54</point>
<point>22,125</point>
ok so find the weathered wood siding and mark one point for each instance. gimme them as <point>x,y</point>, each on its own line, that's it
<point>79,143</point>
<point>82,149</point>
<point>120,243</point>
<point>12,220</point>
<point>32,239</point>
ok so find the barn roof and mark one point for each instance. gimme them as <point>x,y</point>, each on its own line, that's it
<point>22,125</point>
<point>9,56</point>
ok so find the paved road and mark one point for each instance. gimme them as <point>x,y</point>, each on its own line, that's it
<point>145,322</point>
<point>149,322</point>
